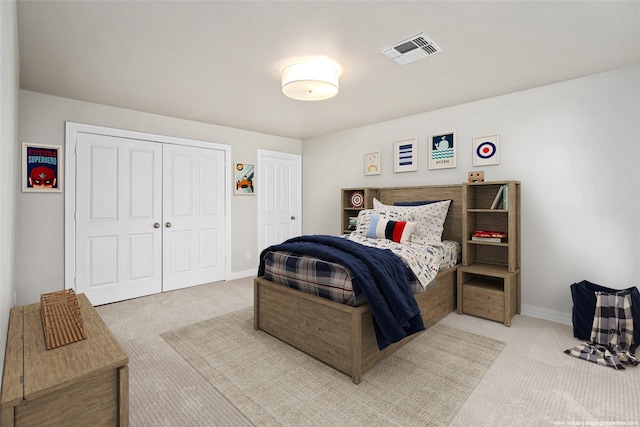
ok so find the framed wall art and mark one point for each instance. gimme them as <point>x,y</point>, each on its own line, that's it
<point>244,182</point>
<point>405,155</point>
<point>41,168</point>
<point>486,150</point>
<point>372,163</point>
<point>442,150</point>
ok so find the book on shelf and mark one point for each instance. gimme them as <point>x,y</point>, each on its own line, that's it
<point>489,239</point>
<point>505,197</point>
<point>353,221</point>
<point>487,233</point>
<point>498,198</point>
<point>501,199</point>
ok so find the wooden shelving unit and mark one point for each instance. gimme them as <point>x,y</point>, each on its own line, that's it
<point>489,277</point>
<point>351,211</point>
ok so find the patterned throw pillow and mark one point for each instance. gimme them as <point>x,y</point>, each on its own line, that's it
<point>398,231</point>
<point>429,218</point>
<point>364,218</point>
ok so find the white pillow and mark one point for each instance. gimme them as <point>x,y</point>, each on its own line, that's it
<point>398,231</point>
<point>429,218</point>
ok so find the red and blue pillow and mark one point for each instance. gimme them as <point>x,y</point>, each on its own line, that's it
<point>397,231</point>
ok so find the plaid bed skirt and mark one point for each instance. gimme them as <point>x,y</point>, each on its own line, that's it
<point>314,276</point>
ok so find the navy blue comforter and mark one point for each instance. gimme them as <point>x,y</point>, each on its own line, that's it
<point>379,274</point>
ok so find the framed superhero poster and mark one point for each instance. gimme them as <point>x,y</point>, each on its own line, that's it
<point>41,168</point>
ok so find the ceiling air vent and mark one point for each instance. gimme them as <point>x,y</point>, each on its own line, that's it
<point>412,49</point>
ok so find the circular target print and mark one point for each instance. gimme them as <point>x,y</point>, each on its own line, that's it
<point>486,150</point>
<point>357,199</point>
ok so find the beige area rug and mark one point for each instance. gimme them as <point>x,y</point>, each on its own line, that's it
<point>272,384</point>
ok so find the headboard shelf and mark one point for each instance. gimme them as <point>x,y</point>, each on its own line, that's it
<point>391,195</point>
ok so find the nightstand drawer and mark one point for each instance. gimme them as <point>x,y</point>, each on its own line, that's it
<point>483,301</point>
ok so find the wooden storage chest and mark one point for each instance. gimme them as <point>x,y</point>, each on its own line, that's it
<point>85,383</point>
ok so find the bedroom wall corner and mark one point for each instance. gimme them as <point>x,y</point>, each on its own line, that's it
<point>574,146</point>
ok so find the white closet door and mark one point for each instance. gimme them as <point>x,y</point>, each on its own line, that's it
<point>193,219</point>
<point>118,212</point>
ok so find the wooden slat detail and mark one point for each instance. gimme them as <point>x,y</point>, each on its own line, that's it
<point>90,402</point>
<point>123,396</point>
<point>12,388</point>
<point>62,321</point>
<point>313,328</point>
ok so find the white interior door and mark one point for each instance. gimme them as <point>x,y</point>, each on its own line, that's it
<point>118,211</point>
<point>193,218</point>
<point>279,189</point>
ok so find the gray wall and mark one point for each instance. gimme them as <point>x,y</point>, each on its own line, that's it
<point>8,161</point>
<point>575,147</point>
<point>40,222</point>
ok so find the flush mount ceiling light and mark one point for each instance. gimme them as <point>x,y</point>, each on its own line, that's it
<point>312,79</point>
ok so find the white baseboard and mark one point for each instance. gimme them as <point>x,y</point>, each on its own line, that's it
<point>547,314</point>
<point>242,274</point>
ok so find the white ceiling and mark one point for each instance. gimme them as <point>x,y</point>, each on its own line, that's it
<point>218,62</point>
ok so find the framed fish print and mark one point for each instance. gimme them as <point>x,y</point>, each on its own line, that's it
<point>442,150</point>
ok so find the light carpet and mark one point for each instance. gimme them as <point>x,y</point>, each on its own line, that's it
<point>422,384</point>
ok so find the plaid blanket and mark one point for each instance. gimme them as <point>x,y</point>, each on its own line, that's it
<point>611,333</point>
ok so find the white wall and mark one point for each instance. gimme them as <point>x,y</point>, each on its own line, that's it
<point>8,160</point>
<point>575,146</point>
<point>40,222</point>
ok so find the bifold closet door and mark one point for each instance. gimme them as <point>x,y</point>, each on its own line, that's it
<point>193,216</point>
<point>118,216</point>
<point>149,217</point>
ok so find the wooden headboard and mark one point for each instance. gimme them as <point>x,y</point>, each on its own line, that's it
<point>453,224</point>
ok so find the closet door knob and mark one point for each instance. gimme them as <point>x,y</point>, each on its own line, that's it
<point>168,225</point>
<point>156,225</point>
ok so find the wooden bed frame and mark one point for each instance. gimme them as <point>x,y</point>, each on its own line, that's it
<point>340,335</point>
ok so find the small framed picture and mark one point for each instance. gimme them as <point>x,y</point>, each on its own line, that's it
<point>405,155</point>
<point>41,168</point>
<point>372,163</point>
<point>244,182</point>
<point>442,150</point>
<point>486,150</point>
